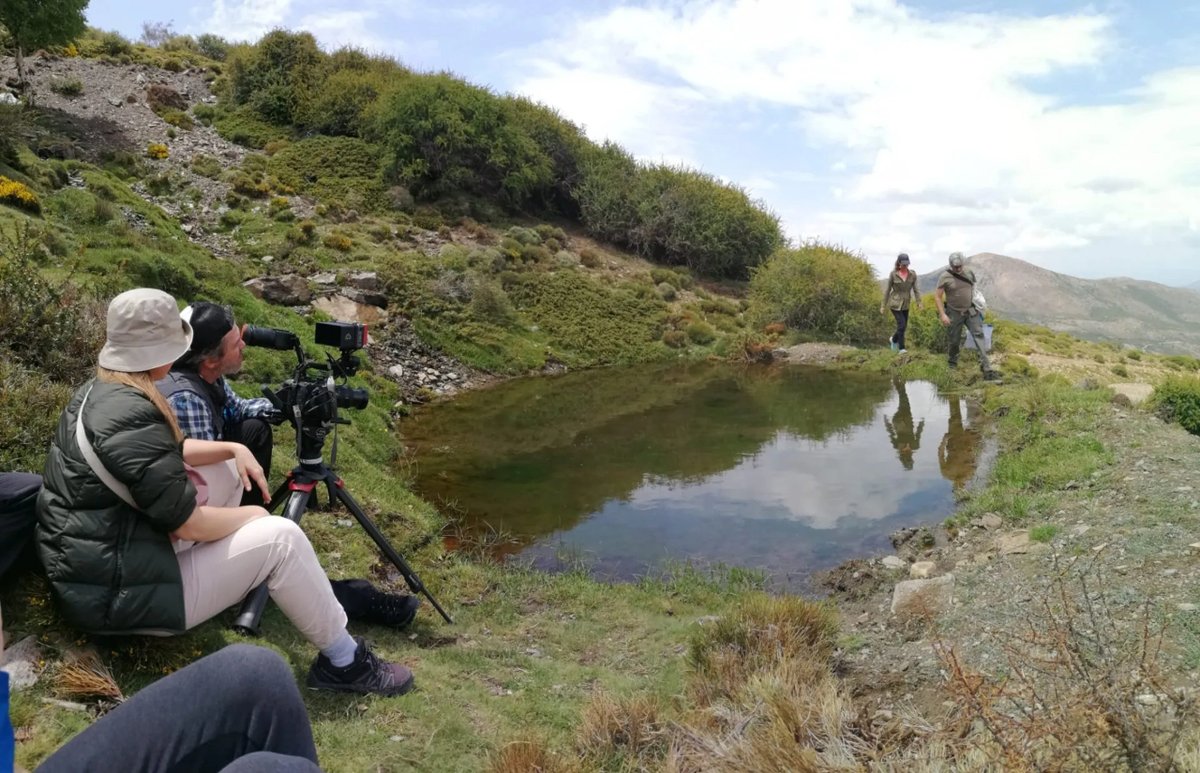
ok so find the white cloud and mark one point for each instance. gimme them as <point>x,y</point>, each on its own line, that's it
<point>246,19</point>
<point>942,129</point>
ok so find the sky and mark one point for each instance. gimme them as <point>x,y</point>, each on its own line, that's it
<point>1063,133</point>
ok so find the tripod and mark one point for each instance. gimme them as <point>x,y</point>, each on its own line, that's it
<point>299,492</point>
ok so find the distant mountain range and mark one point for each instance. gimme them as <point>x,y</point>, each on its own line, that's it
<point>1144,314</point>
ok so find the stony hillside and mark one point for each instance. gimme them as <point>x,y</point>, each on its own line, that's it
<point>1144,314</point>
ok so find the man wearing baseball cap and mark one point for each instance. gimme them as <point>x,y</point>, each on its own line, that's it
<point>204,403</point>
<point>208,409</point>
<point>954,297</point>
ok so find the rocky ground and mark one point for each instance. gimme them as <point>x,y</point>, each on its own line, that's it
<point>112,113</point>
<point>1130,536</point>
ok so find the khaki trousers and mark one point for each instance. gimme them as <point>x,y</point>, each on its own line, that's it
<point>217,575</point>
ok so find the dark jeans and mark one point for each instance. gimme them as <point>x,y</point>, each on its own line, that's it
<point>236,710</point>
<point>974,325</point>
<point>18,514</point>
<point>901,327</point>
<point>254,434</point>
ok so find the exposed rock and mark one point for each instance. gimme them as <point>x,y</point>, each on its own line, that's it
<point>20,661</point>
<point>914,599</point>
<point>1013,543</point>
<point>366,288</point>
<point>285,290</point>
<point>922,570</point>
<point>894,562</point>
<point>324,278</point>
<point>347,310</point>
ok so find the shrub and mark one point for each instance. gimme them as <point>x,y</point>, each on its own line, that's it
<point>1134,355</point>
<point>157,150</point>
<point>308,230</point>
<point>160,97</point>
<point>689,218</point>
<point>273,77</point>
<point>177,118</point>
<point>489,303</point>
<point>590,258</point>
<point>50,327</point>
<point>67,87</point>
<point>821,290</point>
<point>337,241</point>
<point>676,339</point>
<point>445,136</point>
<point>1018,366</point>
<point>213,46</point>
<point>207,166</point>
<point>19,195</point>
<point>700,332</point>
<point>341,170</point>
<point>1120,370</point>
<point>1177,399</point>
<point>666,291</point>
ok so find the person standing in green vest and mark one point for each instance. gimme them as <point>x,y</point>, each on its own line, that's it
<point>954,297</point>
<point>901,288</point>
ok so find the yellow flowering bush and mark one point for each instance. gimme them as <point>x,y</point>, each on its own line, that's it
<point>157,150</point>
<point>18,195</point>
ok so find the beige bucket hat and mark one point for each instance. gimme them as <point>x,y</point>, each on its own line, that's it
<point>144,331</point>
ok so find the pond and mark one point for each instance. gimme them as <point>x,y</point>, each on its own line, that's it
<point>788,470</point>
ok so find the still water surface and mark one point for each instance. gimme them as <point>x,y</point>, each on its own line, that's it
<point>788,470</point>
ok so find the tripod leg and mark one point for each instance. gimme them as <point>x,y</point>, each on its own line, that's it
<point>250,613</point>
<point>336,489</point>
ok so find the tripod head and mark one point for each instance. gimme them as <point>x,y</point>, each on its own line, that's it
<point>310,399</point>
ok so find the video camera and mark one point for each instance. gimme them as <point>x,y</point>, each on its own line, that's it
<point>309,400</point>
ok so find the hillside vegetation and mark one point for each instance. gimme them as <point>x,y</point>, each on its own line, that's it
<point>496,230</point>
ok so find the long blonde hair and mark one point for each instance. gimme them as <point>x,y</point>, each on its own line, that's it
<point>142,382</point>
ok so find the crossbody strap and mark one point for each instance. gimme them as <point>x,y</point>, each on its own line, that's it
<point>89,453</point>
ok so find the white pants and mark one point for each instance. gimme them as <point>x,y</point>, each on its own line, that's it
<point>273,549</point>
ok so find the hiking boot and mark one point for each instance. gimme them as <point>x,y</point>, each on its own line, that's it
<point>365,603</point>
<point>366,675</point>
<point>904,351</point>
<point>991,375</point>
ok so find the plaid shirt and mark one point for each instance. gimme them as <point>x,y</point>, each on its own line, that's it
<point>196,420</point>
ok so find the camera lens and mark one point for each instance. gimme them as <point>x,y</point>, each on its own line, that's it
<point>349,397</point>
<point>269,337</point>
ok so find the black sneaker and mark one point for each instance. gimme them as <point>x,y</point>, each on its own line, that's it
<point>367,675</point>
<point>991,375</point>
<point>365,603</point>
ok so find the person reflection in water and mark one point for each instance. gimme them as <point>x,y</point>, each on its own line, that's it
<point>959,450</point>
<point>905,439</point>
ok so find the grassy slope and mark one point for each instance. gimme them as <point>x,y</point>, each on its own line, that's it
<point>528,652</point>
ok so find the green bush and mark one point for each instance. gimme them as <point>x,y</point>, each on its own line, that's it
<point>30,404</point>
<point>1177,399</point>
<point>608,175</point>
<point>444,136</point>
<point>820,290</point>
<point>207,166</point>
<point>489,303</point>
<point>666,291</point>
<point>1134,355</point>
<point>1017,366</point>
<point>1120,370</point>
<point>700,333</point>
<point>213,46</point>
<point>273,77</point>
<point>67,87</point>
<point>341,170</point>
<point>47,326</point>
<point>686,217</point>
<point>676,339</point>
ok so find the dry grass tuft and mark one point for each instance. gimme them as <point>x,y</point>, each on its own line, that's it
<point>764,633</point>
<point>529,757</point>
<point>632,727</point>
<point>84,675</point>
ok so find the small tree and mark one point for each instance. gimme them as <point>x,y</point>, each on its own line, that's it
<point>34,24</point>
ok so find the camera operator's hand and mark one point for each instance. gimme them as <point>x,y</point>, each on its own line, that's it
<point>273,417</point>
<point>249,470</point>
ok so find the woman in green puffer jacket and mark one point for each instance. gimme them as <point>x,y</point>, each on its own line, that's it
<point>130,548</point>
